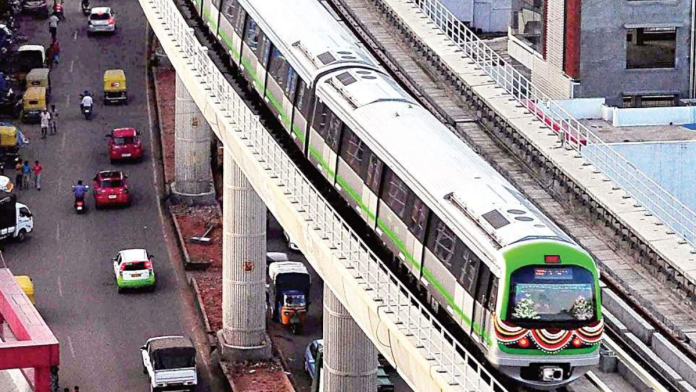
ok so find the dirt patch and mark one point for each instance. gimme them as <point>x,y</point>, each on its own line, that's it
<point>210,287</point>
<point>258,377</point>
<point>166,99</point>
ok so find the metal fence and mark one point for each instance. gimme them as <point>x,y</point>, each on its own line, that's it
<point>457,366</point>
<point>651,195</point>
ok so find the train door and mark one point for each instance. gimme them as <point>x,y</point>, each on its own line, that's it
<point>301,112</point>
<point>256,50</point>
<point>482,315</point>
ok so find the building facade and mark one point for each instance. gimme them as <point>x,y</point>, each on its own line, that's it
<point>487,16</point>
<point>634,53</point>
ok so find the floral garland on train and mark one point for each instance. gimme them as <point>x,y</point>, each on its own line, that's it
<point>548,340</point>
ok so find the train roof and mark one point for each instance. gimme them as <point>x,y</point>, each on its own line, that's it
<point>309,37</point>
<point>417,147</point>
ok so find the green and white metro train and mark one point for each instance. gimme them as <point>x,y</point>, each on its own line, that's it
<point>511,279</point>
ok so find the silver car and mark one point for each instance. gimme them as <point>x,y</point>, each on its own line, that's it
<point>101,20</point>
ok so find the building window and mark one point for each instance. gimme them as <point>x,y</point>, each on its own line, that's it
<point>651,47</point>
<point>649,101</point>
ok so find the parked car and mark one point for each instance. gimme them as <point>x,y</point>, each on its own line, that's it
<point>125,144</point>
<point>101,20</point>
<point>111,188</point>
<point>36,7</point>
<point>134,269</point>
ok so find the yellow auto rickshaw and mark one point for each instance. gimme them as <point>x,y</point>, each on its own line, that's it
<point>33,102</point>
<point>115,86</point>
<point>27,285</point>
<point>40,77</point>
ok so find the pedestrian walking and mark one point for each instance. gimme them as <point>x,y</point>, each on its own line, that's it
<point>45,122</point>
<point>54,119</point>
<point>53,26</point>
<point>26,174</point>
<point>77,389</point>
<point>19,178</point>
<point>56,52</point>
<point>37,169</point>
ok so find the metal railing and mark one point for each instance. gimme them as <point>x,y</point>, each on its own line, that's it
<point>652,196</point>
<point>458,367</point>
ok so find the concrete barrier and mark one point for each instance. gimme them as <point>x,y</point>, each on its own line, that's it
<point>674,358</point>
<point>660,365</point>
<point>632,320</point>
<point>614,323</point>
<point>633,379</point>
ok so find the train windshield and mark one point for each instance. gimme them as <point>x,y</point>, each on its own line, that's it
<point>546,296</point>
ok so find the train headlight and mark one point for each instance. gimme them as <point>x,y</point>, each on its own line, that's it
<point>524,343</point>
<point>577,342</point>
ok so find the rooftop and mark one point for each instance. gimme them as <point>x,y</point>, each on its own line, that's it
<point>652,133</point>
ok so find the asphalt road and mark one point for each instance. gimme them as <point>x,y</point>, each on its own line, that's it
<point>69,256</point>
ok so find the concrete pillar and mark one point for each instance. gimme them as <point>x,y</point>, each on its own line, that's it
<point>243,336</point>
<point>350,358</point>
<point>193,182</point>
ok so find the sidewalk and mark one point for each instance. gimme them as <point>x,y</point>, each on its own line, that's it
<point>203,262</point>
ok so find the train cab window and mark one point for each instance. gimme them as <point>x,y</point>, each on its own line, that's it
<point>395,194</point>
<point>353,151</point>
<point>557,294</point>
<point>278,68</point>
<point>252,35</point>
<point>419,218</point>
<point>374,173</point>
<point>484,275</point>
<point>302,99</point>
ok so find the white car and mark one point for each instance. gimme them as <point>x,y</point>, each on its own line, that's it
<point>5,184</point>
<point>170,362</point>
<point>134,269</point>
<point>101,20</point>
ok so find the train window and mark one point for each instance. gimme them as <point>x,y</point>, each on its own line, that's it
<point>321,118</point>
<point>303,96</point>
<point>395,193</point>
<point>333,132</point>
<point>419,218</point>
<point>445,242</point>
<point>278,68</point>
<point>467,278</point>
<point>493,294</point>
<point>290,83</point>
<point>252,34</point>
<point>230,9</point>
<point>239,22</point>
<point>374,173</point>
<point>353,151</point>
<point>264,50</point>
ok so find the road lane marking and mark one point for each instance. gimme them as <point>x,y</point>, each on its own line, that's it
<point>72,64</point>
<point>62,142</point>
<point>60,288</point>
<point>58,236</point>
<point>72,349</point>
<point>74,37</point>
<point>67,101</point>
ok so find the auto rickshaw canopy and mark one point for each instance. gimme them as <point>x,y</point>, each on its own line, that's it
<point>35,98</point>
<point>38,77</point>
<point>8,135</point>
<point>114,80</point>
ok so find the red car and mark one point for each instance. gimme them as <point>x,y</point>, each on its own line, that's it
<point>124,143</point>
<point>111,188</point>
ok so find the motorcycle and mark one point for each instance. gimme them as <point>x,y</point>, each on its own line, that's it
<point>15,6</point>
<point>86,109</point>
<point>80,206</point>
<point>85,8</point>
<point>58,11</point>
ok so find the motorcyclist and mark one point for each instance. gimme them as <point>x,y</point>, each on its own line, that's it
<point>79,191</point>
<point>87,100</point>
<point>85,4</point>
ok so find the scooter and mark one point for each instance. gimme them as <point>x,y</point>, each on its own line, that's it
<point>87,112</point>
<point>85,8</point>
<point>58,11</point>
<point>80,206</point>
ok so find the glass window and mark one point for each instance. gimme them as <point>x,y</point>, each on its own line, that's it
<point>230,9</point>
<point>374,173</point>
<point>290,83</point>
<point>303,97</point>
<point>239,21</point>
<point>321,114</point>
<point>264,50</point>
<point>470,264</point>
<point>353,150</point>
<point>493,294</point>
<point>395,194</point>
<point>542,293</point>
<point>252,34</point>
<point>444,244</point>
<point>484,275</point>
<point>419,217</point>
<point>333,132</point>
<point>278,67</point>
